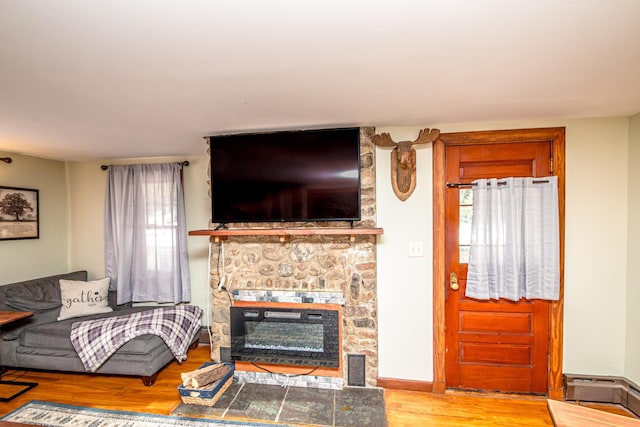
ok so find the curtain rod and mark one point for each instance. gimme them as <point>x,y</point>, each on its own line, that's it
<point>182,164</point>
<point>470,184</point>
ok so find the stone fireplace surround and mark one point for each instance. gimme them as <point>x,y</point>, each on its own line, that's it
<point>306,269</point>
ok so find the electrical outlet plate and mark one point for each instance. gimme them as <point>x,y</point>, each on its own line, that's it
<point>416,249</point>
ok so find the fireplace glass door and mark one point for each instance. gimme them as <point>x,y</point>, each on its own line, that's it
<point>285,336</point>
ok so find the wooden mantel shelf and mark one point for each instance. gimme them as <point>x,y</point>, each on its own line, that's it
<point>285,233</point>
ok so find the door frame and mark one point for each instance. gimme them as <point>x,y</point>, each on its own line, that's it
<point>555,136</point>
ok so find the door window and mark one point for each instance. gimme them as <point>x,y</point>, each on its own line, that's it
<point>464,229</point>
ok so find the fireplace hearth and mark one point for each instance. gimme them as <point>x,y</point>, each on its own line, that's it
<point>285,336</point>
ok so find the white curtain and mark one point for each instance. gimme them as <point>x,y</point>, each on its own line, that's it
<point>515,247</point>
<point>145,234</point>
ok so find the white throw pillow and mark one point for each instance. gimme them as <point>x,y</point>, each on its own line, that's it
<point>80,298</point>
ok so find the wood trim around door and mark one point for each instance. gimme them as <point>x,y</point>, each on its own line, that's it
<point>555,136</point>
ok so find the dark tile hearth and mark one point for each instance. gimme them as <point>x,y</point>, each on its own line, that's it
<point>308,406</point>
<point>257,401</point>
<point>362,407</point>
<point>353,407</point>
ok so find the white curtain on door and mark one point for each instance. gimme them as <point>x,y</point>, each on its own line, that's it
<point>145,234</point>
<point>515,246</point>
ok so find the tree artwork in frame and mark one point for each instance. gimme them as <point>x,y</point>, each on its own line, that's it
<point>19,216</point>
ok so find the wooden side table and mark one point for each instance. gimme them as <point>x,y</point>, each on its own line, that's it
<point>8,317</point>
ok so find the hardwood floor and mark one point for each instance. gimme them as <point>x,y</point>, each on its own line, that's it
<point>404,408</point>
<point>460,409</point>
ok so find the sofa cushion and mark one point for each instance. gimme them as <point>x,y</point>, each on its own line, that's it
<point>84,298</point>
<point>56,335</point>
<point>36,294</point>
<point>33,297</point>
<point>13,330</point>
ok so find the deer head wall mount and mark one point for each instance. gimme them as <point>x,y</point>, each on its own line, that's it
<point>403,160</point>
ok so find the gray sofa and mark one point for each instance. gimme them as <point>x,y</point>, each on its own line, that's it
<point>43,342</point>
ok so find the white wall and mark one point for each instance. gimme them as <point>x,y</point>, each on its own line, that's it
<point>87,184</point>
<point>595,265</point>
<point>632,357</point>
<point>405,342</point>
<point>596,240</point>
<point>31,258</point>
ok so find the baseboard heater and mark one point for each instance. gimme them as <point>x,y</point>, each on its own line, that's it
<point>589,388</point>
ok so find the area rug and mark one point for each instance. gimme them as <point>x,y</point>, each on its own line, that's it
<point>54,415</point>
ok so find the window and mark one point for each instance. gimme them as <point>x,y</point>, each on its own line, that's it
<point>145,234</point>
<point>464,228</point>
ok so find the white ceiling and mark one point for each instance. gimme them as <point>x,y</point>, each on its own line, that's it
<point>95,79</point>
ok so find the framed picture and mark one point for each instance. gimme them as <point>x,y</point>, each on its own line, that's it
<point>19,216</point>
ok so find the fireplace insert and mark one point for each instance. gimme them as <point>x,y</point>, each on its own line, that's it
<point>285,336</point>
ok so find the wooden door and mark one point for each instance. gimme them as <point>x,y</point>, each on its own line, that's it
<point>490,345</point>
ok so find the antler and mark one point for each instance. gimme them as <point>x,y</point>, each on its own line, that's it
<point>427,136</point>
<point>384,140</point>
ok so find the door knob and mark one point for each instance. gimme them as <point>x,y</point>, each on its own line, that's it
<point>453,282</point>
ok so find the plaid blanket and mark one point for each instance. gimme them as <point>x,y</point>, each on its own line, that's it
<point>96,340</point>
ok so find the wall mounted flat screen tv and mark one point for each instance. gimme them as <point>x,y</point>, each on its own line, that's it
<point>310,175</point>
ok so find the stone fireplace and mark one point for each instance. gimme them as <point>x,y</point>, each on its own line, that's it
<point>317,271</point>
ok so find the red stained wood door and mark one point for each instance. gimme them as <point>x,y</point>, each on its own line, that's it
<point>490,345</point>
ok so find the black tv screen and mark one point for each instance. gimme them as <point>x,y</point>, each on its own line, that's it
<point>311,175</point>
